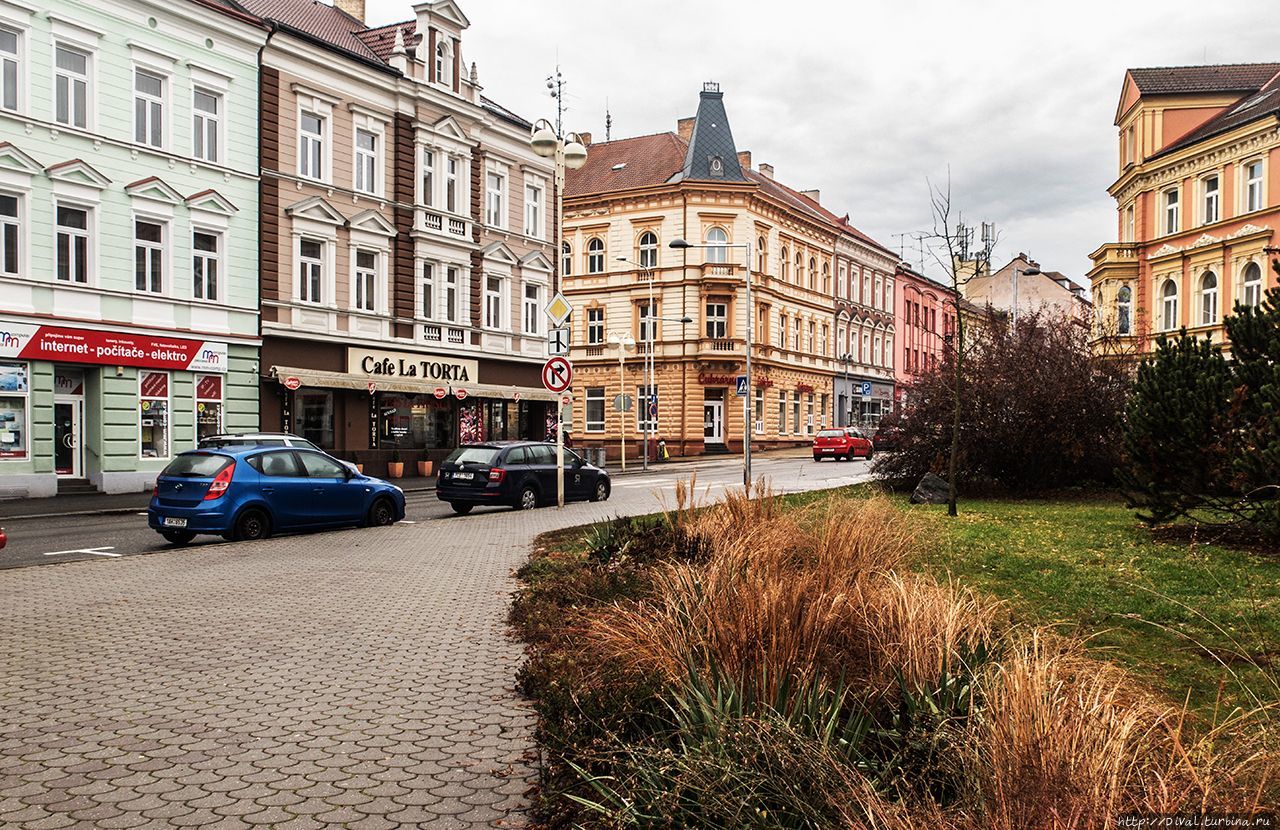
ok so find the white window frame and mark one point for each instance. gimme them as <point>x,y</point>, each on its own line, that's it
<point>452,294</point>
<point>87,234</point>
<point>313,148</point>
<point>1254,191</point>
<point>11,66</point>
<point>168,408</point>
<point>427,283</point>
<point>17,236</point>
<point>1169,305</point>
<point>534,221</point>
<point>595,326</point>
<point>1211,199</point>
<point>782,412</point>
<point>1251,289</point>
<point>495,305</point>
<point>594,394</point>
<point>365,295</point>
<point>647,252</point>
<point>644,314</point>
<point>310,269</point>
<point>596,256</point>
<point>717,241</point>
<point>495,198</point>
<point>366,163</point>
<point>206,126</point>
<point>157,251</point>
<point>717,320</point>
<point>454,184</point>
<point>1209,299</point>
<point>444,64</point>
<point>532,307</point>
<point>72,78</point>
<point>428,178</point>
<point>153,118</point>
<point>1170,213</point>
<point>1130,226</point>
<point>217,261</point>
<point>1124,311</point>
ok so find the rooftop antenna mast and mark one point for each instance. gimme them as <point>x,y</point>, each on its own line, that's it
<point>608,122</point>
<point>555,83</point>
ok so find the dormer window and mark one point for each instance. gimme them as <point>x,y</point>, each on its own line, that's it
<point>442,64</point>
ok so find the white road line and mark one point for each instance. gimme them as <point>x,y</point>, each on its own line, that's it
<point>406,522</point>
<point>102,551</point>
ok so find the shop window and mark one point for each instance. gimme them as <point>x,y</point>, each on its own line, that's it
<point>14,390</point>
<point>782,413</point>
<point>759,410</point>
<point>809,412</point>
<point>796,426</point>
<point>208,406</point>
<point>153,414</point>
<point>415,422</point>
<point>470,424</point>
<point>594,420</point>
<point>313,417</point>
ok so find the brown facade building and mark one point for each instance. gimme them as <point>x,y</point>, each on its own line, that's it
<point>404,256</point>
<point>630,291</point>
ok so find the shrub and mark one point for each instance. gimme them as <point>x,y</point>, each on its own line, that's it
<point>1039,411</point>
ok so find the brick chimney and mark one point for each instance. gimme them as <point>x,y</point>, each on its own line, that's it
<point>586,139</point>
<point>355,8</point>
<point>744,159</point>
<point>812,194</point>
<point>766,170</point>
<point>684,128</point>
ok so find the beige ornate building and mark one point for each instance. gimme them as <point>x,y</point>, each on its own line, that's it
<point>622,210</point>
<point>1198,202</point>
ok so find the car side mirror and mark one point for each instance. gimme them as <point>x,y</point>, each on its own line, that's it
<point>577,463</point>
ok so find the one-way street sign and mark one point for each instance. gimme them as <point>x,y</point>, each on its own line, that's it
<point>558,342</point>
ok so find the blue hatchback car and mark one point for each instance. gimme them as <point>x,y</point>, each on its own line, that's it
<point>251,492</point>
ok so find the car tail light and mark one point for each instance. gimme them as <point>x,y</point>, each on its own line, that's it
<point>155,490</point>
<point>497,474</point>
<point>221,482</point>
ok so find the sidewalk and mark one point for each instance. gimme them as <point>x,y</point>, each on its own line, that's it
<point>104,504</point>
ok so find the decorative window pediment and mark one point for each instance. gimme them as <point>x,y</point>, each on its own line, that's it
<point>14,159</point>
<point>77,171</point>
<point>499,252</point>
<point>155,188</point>
<point>212,201</point>
<point>537,261</point>
<point>449,127</point>
<point>372,221</point>
<point>449,10</point>
<point>316,209</point>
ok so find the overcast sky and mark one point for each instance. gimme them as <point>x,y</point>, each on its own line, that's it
<point>864,100</point>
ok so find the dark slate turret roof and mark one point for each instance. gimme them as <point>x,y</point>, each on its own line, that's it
<point>712,139</point>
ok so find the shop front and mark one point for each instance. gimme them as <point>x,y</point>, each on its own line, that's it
<point>861,401</point>
<point>109,409</point>
<point>378,408</point>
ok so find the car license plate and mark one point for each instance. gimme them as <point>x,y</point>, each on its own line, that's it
<point>463,476</point>
<point>828,449</point>
<point>172,522</point>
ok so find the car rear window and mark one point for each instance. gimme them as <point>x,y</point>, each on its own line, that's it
<point>485,456</point>
<point>831,433</point>
<point>196,465</point>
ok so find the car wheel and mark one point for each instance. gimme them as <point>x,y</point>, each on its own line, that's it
<point>461,508</point>
<point>382,513</point>
<point>528,498</point>
<point>869,454</point>
<point>602,491</point>
<point>251,525</point>
<point>817,458</point>
<point>178,537</point>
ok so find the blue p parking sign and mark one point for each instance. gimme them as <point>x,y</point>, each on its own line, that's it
<point>866,389</point>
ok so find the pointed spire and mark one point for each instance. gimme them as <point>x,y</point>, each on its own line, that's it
<point>398,48</point>
<point>475,75</point>
<point>712,153</point>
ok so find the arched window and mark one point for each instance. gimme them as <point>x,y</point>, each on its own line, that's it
<point>1169,305</point>
<point>1124,310</point>
<point>1208,298</point>
<point>443,64</point>
<point>595,256</point>
<point>648,250</point>
<point>826,278</point>
<point>762,254</point>
<point>785,264</point>
<point>799,268</point>
<point>866,288</point>
<point>566,260</point>
<point>813,272</point>
<point>1252,295</point>
<point>717,238</point>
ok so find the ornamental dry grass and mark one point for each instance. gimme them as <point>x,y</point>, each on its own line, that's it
<point>1051,739</point>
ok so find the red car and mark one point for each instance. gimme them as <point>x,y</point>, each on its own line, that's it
<point>841,444</point>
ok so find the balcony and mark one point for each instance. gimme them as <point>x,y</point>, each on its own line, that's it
<point>1115,261</point>
<point>432,333</point>
<point>720,270</point>
<point>441,223</point>
<point>721,347</point>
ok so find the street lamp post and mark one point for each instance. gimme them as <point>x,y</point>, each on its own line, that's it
<point>623,342</point>
<point>569,152</point>
<point>1030,271</point>
<point>746,399</point>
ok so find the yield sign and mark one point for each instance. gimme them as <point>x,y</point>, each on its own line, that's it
<point>557,374</point>
<point>558,309</point>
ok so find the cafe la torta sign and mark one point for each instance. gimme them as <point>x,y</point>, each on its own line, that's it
<point>410,366</point>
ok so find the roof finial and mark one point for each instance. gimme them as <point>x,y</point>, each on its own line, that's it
<point>475,75</point>
<point>398,48</point>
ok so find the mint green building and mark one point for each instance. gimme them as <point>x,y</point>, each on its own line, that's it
<point>128,237</point>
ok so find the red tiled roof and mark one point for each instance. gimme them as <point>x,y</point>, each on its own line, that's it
<point>320,20</point>
<point>1264,103</point>
<point>645,160</point>
<point>383,39</point>
<point>1237,77</point>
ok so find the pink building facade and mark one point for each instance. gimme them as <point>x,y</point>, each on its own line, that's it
<point>924,318</point>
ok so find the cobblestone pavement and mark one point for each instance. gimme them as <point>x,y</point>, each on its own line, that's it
<point>359,679</point>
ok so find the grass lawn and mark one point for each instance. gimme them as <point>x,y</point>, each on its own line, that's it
<point>1187,617</point>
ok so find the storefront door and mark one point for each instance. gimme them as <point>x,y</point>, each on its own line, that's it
<point>67,431</point>
<point>713,416</point>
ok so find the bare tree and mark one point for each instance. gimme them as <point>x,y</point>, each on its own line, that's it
<point>951,248</point>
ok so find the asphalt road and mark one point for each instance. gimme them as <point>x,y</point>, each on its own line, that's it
<point>52,540</point>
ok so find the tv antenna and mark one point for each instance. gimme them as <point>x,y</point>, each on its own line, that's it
<point>555,83</point>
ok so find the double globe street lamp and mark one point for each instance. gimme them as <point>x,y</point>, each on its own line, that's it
<point>569,151</point>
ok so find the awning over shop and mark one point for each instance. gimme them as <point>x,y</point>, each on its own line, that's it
<point>316,378</point>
